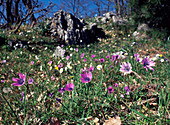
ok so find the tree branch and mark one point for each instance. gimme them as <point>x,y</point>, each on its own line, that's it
<point>26,16</point>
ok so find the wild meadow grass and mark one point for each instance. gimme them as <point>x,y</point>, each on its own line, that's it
<point>117,76</point>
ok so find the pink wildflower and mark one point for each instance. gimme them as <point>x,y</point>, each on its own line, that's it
<point>20,81</point>
<point>147,63</point>
<point>69,87</point>
<point>86,77</point>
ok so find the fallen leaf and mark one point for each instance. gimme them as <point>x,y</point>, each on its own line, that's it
<point>54,121</point>
<point>96,120</point>
<point>113,121</point>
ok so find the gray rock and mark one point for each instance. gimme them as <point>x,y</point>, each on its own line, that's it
<point>104,20</point>
<point>143,27</point>
<point>109,15</point>
<point>59,52</point>
<point>139,36</point>
<point>114,18</point>
<point>72,30</point>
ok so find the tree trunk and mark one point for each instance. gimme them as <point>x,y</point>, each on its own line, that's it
<point>116,7</point>
<point>28,5</point>
<point>9,15</point>
<point>108,5</point>
<point>16,12</point>
<point>123,13</point>
<point>119,9</point>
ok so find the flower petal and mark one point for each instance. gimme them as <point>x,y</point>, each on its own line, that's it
<point>15,79</point>
<point>16,84</point>
<point>21,75</point>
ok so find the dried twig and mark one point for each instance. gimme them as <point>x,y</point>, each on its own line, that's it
<point>137,75</point>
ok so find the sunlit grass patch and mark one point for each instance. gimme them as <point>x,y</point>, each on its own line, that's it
<point>115,77</point>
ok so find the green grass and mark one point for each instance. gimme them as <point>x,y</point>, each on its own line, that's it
<point>147,102</point>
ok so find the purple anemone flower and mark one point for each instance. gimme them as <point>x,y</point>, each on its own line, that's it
<point>61,90</point>
<point>61,65</point>
<point>2,81</point>
<point>114,57</point>
<point>50,62</point>
<point>19,81</point>
<point>83,70</point>
<point>4,61</point>
<point>69,87</point>
<point>32,63</point>
<point>30,81</point>
<point>95,60</point>
<point>82,55</point>
<point>147,63</point>
<point>67,58</point>
<point>93,56</point>
<point>102,60</point>
<point>127,90</point>
<point>108,56</point>
<point>126,68</point>
<point>86,77</point>
<point>136,55</point>
<point>22,94</point>
<point>58,100</point>
<point>115,85</point>
<point>51,94</point>
<point>76,49</point>
<point>91,69</point>
<point>110,89</point>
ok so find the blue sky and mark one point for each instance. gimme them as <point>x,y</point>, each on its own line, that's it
<point>57,2</point>
<point>54,1</point>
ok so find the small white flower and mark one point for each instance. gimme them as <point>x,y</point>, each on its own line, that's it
<point>40,97</point>
<point>101,52</point>
<point>122,95</point>
<point>15,47</point>
<point>65,68</point>
<point>162,60</point>
<point>61,70</point>
<point>41,68</point>
<point>53,54</point>
<point>80,41</point>
<point>71,54</point>
<point>99,67</point>
<point>21,33</point>
<point>36,57</point>
<point>69,66</point>
<point>126,54</point>
<point>45,48</point>
<point>88,45</point>
<point>21,52</point>
<point>154,58</point>
<point>157,55</point>
<point>71,48</point>
<point>50,67</point>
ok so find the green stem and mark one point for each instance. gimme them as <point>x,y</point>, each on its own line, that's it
<point>12,110</point>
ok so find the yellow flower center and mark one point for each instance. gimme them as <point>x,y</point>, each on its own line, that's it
<point>56,67</point>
